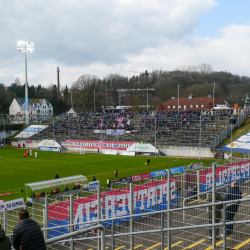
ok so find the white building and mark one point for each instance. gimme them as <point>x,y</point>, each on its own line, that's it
<point>36,107</point>
<point>44,107</point>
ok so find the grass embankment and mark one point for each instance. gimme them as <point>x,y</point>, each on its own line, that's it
<point>15,171</point>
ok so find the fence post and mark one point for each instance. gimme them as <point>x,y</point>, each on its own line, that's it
<point>98,215</point>
<point>45,218</point>
<point>71,219</point>
<point>169,207</point>
<point>213,207</point>
<point>131,213</point>
<point>5,220</point>
<point>162,232</point>
<point>112,233</point>
<point>33,214</point>
<point>224,228</point>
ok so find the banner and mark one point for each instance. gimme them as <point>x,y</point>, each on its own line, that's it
<point>241,144</point>
<point>225,175</point>
<point>126,180</point>
<point>141,177</point>
<point>11,205</point>
<point>97,144</point>
<point>49,149</point>
<point>115,182</point>
<point>158,173</point>
<point>148,197</point>
<point>31,130</point>
<point>177,170</point>
<point>115,131</point>
<point>93,185</point>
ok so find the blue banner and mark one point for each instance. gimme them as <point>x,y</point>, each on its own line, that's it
<point>158,173</point>
<point>177,170</point>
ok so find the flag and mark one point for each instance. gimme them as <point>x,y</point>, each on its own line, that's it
<point>119,120</point>
<point>34,107</point>
<point>128,122</point>
<point>101,122</point>
<point>121,125</point>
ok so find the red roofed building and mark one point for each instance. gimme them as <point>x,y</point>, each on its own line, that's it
<point>191,103</point>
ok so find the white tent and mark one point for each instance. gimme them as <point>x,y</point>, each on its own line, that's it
<point>72,112</point>
<point>142,148</point>
<point>49,143</point>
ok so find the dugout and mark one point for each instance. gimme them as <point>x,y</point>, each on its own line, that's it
<point>61,183</point>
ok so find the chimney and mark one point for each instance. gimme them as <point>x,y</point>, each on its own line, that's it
<point>58,81</point>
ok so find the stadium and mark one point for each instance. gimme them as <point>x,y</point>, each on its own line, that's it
<point>160,204</point>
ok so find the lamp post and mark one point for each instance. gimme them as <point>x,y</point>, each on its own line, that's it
<point>26,47</point>
<point>71,100</point>
<point>147,99</point>
<point>178,96</point>
<point>4,134</point>
<point>94,101</point>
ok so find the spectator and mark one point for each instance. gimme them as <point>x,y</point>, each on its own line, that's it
<point>116,174</point>
<point>217,214</point>
<point>43,193</point>
<point>66,189</point>
<point>108,182</point>
<point>5,243</point>
<point>33,195</point>
<point>189,192</point>
<point>94,179</point>
<point>233,193</point>
<point>27,233</point>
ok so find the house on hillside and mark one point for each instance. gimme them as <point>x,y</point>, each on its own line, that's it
<point>35,106</point>
<point>192,103</point>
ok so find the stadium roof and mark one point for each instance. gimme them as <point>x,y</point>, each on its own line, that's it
<point>42,185</point>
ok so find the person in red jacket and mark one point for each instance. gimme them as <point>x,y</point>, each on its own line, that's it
<point>24,156</point>
<point>116,174</point>
<point>27,152</point>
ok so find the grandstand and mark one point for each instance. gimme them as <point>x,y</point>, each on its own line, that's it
<point>191,128</point>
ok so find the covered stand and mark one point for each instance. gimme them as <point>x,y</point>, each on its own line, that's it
<point>56,183</point>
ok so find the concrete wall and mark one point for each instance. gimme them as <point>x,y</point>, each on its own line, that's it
<point>186,151</point>
<point>33,144</point>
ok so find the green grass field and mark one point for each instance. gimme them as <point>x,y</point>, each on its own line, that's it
<point>15,171</point>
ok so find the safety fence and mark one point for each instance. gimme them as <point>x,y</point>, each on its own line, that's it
<point>192,192</point>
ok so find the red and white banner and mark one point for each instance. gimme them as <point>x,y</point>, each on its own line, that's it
<point>114,203</point>
<point>98,144</point>
<point>141,177</point>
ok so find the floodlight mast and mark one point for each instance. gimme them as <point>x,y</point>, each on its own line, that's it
<point>26,47</point>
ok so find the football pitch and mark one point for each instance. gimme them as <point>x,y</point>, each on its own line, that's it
<point>16,171</point>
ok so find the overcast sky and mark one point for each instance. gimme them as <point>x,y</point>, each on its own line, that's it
<point>104,37</point>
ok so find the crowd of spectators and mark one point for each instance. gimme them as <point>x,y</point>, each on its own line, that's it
<point>166,123</point>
